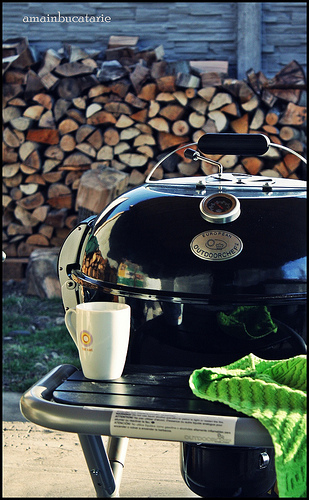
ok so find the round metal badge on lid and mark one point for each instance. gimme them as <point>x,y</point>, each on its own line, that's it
<point>216,245</point>
<point>220,208</point>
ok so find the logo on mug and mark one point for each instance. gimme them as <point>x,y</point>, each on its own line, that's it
<point>86,338</point>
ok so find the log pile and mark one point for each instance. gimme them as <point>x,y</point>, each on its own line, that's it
<point>71,111</point>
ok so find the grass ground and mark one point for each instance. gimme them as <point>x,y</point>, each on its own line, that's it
<point>35,338</point>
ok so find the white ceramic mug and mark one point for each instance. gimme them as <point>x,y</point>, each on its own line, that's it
<point>101,331</point>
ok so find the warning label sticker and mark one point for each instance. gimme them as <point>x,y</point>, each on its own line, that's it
<point>210,429</point>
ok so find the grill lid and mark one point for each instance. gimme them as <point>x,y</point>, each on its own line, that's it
<point>155,240</point>
<point>232,237</point>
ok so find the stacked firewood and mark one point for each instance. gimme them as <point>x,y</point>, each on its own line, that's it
<point>69,112</point>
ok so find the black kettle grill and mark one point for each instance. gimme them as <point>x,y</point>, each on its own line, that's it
<point>183,253</point>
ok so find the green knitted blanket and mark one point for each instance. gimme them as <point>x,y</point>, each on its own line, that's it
<point>251,322</point>
<point>275,393</point>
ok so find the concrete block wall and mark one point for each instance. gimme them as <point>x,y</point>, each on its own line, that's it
<point>284,28</point>
<point>187,30</point>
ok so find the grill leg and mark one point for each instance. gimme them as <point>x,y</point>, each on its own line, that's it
<point>116,450</point>
<point>98,464</point>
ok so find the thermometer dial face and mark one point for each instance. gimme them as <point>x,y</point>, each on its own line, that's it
<point>220,208</point>
<point>219,204</point>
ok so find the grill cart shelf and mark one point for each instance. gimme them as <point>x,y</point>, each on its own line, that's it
<point>146,402</point>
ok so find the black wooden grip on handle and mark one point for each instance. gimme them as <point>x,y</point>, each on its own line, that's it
<point>239,144</point>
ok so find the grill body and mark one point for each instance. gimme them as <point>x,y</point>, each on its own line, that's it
<point>153,249</point>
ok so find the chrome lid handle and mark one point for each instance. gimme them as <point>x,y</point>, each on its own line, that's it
<point>241,144</point>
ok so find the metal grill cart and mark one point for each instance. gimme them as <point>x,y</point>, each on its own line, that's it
<point>181,252</point>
